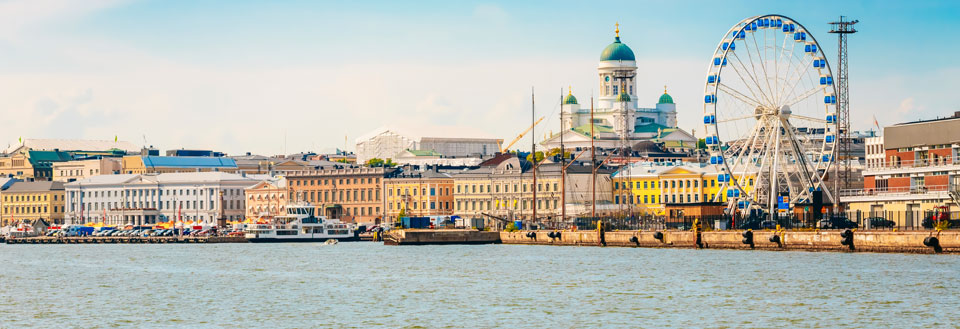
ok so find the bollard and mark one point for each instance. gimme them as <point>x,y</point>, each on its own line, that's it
<point>658,236</point>
<point>776,239</point>
<point>748,238</point>
<point>847,238</point>
<point>933,242</point>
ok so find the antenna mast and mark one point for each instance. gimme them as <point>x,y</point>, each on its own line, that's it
<point>842,28</point>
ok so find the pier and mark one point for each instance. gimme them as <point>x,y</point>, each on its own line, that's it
<point>825,240</point>
<point>127,240</point>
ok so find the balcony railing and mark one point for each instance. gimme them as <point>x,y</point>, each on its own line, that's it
<point>920,189</point>
<point>919,163</point>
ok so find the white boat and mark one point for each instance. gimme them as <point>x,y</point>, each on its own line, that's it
<point>300,224</point>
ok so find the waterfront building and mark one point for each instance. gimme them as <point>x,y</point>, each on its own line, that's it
<point>31,165</point>
<point>418,192</point>
<point>30,202</point>
<point>874,152</point>
<point>502,187</point>
<point>267,198</point>
<point>387,143</point>
<point>919,172</point>
<point>356,190</point>
<point>74,170</point>
<point>645,188</point>
<point>200,198</point>
<point>142,164</point>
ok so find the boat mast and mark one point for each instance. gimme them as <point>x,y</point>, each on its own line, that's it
<point>563,169</point>
<point>593,166</point>
<point>533,152</point>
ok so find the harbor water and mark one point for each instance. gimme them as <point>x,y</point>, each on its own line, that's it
<point>366,285</point>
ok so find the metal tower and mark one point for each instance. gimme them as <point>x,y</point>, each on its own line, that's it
<point>842,28</point>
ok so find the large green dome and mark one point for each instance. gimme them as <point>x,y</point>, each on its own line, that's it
<point>617,51</point>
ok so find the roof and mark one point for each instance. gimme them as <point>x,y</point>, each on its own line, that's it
<point>570,99</point>
<point>167,178</point>
<point>42,186</point>
<point>649,128</point>
<point>665,98</point>
<point>617,51</point>
<point>424,153</point>
<point>624,97</point>
<point>45,159</point>
<point>73,145</point>
<point>597,129</point>
<point>188,162</point>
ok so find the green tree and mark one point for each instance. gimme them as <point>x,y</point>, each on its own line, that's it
<point>375,162</point>
<point>702,144</point>
<point>539,156</point>
<point>389,163</point>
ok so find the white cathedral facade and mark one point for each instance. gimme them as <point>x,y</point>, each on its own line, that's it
<point>618,113</point>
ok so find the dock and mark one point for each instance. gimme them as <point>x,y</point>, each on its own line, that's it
<point>813,240</point>
<point>127,240</point>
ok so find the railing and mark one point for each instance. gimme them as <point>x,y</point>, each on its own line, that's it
<point>918,163</point>
<point>919,189</point>
<point>882,220</point>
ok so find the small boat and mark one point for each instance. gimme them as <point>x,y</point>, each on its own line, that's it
<point>300,224</point>
<point>330,242</point>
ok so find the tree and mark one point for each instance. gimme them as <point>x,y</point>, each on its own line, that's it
<point>702,144</point>
<point>375,162</point>
<point>389,163</point>
<point>539,156</point>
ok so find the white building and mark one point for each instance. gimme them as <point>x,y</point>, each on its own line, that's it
<point>390,143</point>
<point>72,145</point>
<point>142,199</point>
<point>874,152</point>
<point>618,113</point>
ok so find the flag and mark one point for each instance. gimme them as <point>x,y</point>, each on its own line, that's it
<point>115,138</point>
<point>21,139</point>
<point>875,123</point>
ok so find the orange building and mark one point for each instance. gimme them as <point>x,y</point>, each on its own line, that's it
<point>356,189</point>
<point>266,199</point>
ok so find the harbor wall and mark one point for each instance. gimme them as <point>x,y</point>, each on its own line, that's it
<point>828,240</point>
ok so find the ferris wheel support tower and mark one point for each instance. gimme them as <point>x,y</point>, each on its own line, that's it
<point>842,28</point>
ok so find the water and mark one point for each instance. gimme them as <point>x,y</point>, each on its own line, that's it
<point>365,285</point>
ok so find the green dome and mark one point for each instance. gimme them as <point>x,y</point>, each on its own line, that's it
<point>570,100</point>
<point>617,51</point>
<point>665,99</point>
<point>623,97</point>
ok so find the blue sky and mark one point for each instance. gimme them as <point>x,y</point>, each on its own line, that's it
<point>241,76</point>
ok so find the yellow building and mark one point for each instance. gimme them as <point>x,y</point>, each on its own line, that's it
<point>419,193</point>
<point>31,165</point>
<point>31,201</point>
<point>645,187</point>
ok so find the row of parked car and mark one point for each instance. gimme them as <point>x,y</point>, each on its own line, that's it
<point>133,233</point>
<point>832,223</point>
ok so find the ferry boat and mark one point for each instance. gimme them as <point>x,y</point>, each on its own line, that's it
<point>300,224</point>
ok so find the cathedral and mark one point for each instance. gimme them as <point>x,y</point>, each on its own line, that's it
<point>617,116</point>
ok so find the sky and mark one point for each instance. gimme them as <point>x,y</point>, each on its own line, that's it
<point>272,77</point>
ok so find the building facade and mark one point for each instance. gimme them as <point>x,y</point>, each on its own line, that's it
<point>31,165</point>
<point>267,199</point>
<point>144,199</point>
<point>31,201</point>
<point>919,173</point>
<point>418,193</point>
<point>357,190</point>
<point>70,171</point>
<point>645,188</point>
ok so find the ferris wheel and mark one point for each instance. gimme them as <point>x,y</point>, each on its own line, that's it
<point>770,111</point>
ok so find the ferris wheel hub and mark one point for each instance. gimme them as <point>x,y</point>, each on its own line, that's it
<point>785,112</point>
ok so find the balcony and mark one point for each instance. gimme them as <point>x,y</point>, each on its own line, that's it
<point>918,165</point>
<point>920,192</point>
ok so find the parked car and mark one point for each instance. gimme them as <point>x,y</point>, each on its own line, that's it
<point>880,222</point>
<point>836,223</point>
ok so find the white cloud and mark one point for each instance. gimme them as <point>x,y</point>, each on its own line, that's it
<point>18,16</point>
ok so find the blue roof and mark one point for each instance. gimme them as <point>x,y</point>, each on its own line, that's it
<point>188,162</point>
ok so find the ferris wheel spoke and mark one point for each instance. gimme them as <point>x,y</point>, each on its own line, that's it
<point>752,72</point>
<point>763,62</point>
<point>756,83</point>
<point>804,96</point>
<point>803,117</point>
<point>738,95</point>
<point>737,119</point>
<point>797,76</point>
<point>789,64</point>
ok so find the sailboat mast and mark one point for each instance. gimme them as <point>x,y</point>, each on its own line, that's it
<point>533,151</point>
<point>593,166</point>
<point>563,169</point>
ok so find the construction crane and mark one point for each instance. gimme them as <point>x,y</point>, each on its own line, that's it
<point>515,140</point>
